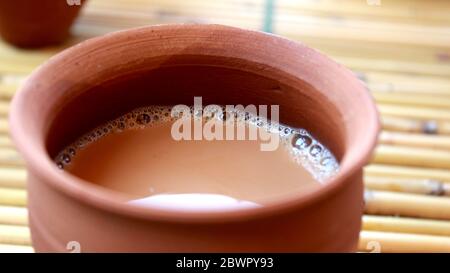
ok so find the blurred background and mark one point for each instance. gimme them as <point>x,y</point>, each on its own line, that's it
<point>399,48</point>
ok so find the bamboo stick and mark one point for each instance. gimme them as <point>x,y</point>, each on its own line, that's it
<point>402,242</point>
<point>13,197</point>
<point>13,178</point>
<point>421,113</point>
<point>10,157</point>
<point>420,90</point>
<point>407,172</point>
<point>7,91</point>
<point>28,57</point>
<point>5,142</point>
<point>401,124</point>
<point>362,31</point>
<point>392,84</point>
<point>13,216</point>
<point>412,99</point>
<point>14,67</point>
<point>394,81</point>
<point>391,9</point>
<point>415,140</point>
<point>425,186</point>
<point>393,66</point>
<point>15,249</point>
<point>406,225</point>
<point>424,82</point>
<point>384,64</point>
<point>15,235</point>
<point>411,205</point>
<point>4,128</point>
<point>16,79</point>
<point>127,13</point>
<point>4,108</point>
<point>409,156</point>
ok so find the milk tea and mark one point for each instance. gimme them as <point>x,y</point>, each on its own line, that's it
<point>138,155</point>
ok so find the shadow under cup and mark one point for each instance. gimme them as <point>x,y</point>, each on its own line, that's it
<point>100,79</point>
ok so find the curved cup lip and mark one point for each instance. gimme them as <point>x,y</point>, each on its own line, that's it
<point>42,168</point>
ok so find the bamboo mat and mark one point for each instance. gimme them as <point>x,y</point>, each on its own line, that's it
<point>400,49</point>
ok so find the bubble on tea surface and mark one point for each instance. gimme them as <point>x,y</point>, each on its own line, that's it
<point>315,150</point>
<point>66,158</point>
<point>300,141</point>
<point>71,151</point>
<point>121,125</point>
<point>287,131</point>
<point>143,119</point>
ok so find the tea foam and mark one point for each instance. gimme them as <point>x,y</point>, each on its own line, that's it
<point>303,149</point>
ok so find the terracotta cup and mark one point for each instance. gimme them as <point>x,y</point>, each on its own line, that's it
<point>37,23</point>
<point>105,77</point>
